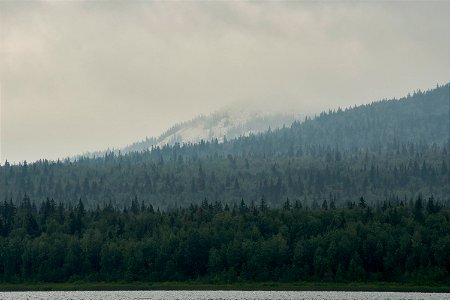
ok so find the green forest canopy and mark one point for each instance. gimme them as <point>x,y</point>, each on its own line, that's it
<point>222,244</point>
<point>355,194</point>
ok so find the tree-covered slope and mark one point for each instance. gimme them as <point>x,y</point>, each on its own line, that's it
<point>388,150</point>
<point>421,118</point>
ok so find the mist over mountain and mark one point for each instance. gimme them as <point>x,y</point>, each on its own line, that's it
<point>385,151</point>
<point>353,194</point>
<point>234,145</point>
<point>230,122</point>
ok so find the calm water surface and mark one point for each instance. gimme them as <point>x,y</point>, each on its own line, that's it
<point>216,295</point>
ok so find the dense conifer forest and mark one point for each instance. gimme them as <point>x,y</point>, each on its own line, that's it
<point>355,194</point>
<point>317,174</point>
<point>387,150</point>
<point>216,243</point>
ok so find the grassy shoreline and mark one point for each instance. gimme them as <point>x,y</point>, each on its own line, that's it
<point>296,286</point>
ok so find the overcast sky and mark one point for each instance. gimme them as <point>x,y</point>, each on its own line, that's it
<point>84,76</point>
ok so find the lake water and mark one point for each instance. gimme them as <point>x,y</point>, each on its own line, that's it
<point>216,295</point>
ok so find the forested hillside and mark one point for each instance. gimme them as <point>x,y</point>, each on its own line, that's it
<point>386,151</point>
<point>356,194</point>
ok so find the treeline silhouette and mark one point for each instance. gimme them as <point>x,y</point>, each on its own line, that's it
<point>392,241</point>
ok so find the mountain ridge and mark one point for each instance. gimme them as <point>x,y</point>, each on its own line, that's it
<point>390,150</point>
<point>228,123</point>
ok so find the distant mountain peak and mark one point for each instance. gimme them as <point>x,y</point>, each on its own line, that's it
<point>229,122</point>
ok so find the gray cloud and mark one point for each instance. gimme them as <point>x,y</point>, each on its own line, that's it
<point>78,76</point>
